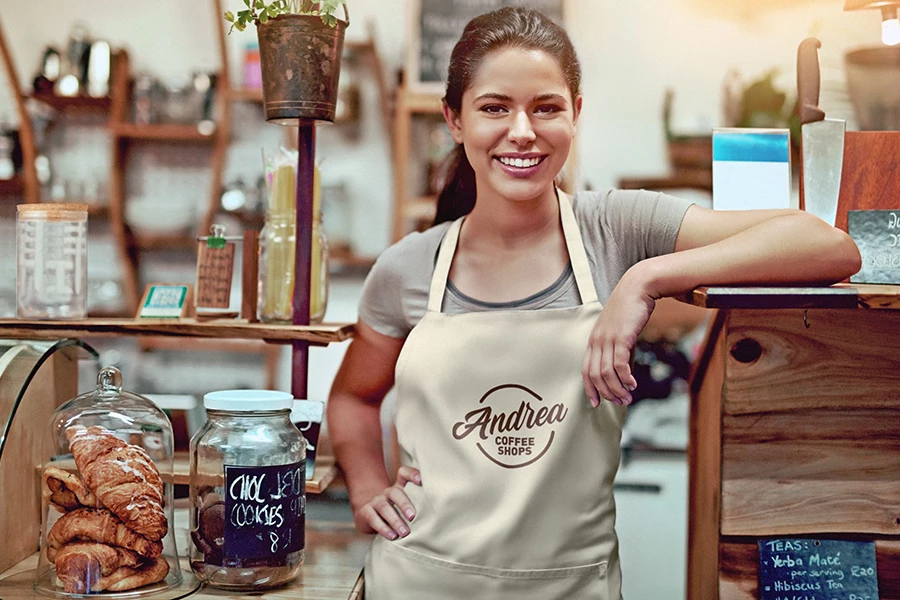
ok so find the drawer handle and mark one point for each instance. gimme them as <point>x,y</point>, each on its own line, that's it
<point>746,350</point>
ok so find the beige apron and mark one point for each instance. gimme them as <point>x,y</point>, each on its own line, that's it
<point>517,468</point>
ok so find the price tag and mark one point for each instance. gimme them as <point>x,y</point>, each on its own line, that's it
<point>265,509</point>
<point>215,268</point>
<point>164,301</point>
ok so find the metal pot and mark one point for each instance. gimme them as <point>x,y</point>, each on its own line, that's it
<point>301,63</point>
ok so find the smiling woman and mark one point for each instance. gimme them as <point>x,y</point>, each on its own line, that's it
<point>508,328</point>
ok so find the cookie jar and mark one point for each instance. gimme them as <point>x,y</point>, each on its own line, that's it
<point>248,491</point>
<point>108,523</point>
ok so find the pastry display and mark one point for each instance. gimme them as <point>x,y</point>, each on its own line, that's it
<point>109,537</point>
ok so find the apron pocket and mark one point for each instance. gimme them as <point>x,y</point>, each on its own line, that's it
<point>397,573</point>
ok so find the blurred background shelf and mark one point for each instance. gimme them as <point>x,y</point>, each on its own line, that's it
<point>246,95</point>
<point>164,241</point>
<point>323,475</point>
<point>12,187</point>
<point>86,103</point>
<point>162,132</point>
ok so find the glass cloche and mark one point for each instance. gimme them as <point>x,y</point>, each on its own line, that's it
<point>108,524</point>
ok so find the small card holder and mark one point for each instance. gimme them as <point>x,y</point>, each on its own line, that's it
<point>215,274</point>
<point>165,301</point>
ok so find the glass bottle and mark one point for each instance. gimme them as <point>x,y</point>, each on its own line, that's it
<point>277,250</point>
<point>51,261</point>
<point>248,491</point>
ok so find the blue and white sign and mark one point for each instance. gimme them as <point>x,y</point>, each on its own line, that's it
<point>752,169</point>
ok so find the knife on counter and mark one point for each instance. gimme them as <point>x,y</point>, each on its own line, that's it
<point>822,140</point>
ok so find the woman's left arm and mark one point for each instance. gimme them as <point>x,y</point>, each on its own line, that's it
<point>760,247</point>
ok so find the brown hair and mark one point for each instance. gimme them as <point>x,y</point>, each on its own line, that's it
<point>506,27</point>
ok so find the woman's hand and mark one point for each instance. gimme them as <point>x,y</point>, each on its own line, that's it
<point>382,514</point>
<point>607,363</point>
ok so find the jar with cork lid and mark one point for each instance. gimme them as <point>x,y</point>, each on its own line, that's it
<point>51,261</point>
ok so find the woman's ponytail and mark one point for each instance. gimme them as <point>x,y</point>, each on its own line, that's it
<point>457,198</point>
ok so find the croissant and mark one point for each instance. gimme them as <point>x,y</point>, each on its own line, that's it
<point>97,525</point>
<point>128,578</point>
<point>65,491</point>
<point>123,477</point>
<point>81,565</point>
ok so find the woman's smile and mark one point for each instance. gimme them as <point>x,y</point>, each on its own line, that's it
<point>520,166</point>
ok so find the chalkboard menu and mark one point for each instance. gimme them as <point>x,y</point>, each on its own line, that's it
<point>810,569</point>
<point>877,235</point>
<point>438,25</point>
<point>264,514</point>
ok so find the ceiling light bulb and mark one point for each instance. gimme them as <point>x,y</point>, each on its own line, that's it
<point>890,31</point>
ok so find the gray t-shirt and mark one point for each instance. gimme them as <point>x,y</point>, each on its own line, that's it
<point>618,228</point>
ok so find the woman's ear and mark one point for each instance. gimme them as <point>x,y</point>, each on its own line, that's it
<point>577,108</point>
<point>452,119</point>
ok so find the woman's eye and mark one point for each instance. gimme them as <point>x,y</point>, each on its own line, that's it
<point>547,109</point>
<point>493,109</point>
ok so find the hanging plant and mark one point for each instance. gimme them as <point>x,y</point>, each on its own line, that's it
<point>258,11</point>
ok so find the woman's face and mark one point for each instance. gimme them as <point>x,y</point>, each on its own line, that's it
<point>516,123</point>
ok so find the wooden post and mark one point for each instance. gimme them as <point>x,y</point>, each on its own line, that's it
<point>306,159</point>
<point>26,133</point>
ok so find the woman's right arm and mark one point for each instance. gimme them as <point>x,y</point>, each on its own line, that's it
<point>354,423</point>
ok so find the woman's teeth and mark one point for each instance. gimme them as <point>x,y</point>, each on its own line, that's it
<point>519,162</point>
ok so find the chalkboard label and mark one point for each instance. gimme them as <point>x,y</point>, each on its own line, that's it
<point>441,22</point>
<point>802,569</point>
<point>877,235</point>
<point>264,514</point>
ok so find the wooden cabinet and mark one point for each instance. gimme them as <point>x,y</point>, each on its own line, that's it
<point>794,431</point>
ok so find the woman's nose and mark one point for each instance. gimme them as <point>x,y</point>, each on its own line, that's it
<point>520,131</point>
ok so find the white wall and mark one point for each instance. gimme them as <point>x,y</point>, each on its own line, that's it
<point>631,52</point>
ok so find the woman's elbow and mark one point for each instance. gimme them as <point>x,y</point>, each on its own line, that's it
<point>846,259</point>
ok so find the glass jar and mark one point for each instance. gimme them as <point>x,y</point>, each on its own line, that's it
<point>108,497</point>
<point>248,491</point>
<point>51,261</point>
<point>277,249</point>
<point>277,242</point>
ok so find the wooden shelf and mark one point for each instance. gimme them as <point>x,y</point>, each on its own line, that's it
<point>161,133</point>
<point>841,295</point>
<point>147,343</point>
<point>323,474</point>
<point>98,210</point>
<point>79,103</point>
<point>325,333</point>
<point>419,102</point>
<point>164,241</point>
<point>12,186</point>
<point>246,95</point>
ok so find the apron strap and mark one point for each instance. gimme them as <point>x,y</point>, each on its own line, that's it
<point>577,255</point>
<point>442,266</point>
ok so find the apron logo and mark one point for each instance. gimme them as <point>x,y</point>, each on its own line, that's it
<point>516,438</point>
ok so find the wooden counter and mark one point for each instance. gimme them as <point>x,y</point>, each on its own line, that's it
<point>795,430</point>
<point>332,569</point>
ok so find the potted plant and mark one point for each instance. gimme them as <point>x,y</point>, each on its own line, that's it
<point>300,47</point>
